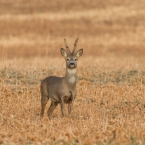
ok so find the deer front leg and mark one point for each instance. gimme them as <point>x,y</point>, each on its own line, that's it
<point>70,108</point>
<point>62,106</point>
<point>70,104</point>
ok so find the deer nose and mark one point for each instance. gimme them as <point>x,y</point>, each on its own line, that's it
<point>71,63</point>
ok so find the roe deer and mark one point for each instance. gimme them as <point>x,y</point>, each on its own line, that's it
<point>61,90</point>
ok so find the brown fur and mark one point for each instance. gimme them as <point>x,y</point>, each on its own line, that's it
<point>61,90</point>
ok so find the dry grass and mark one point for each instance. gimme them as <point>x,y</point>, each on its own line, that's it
<point>110,103</point>
<point>109,108</point>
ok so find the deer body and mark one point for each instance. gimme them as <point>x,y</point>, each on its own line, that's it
<point>61,90</point>
<point>55,87</point>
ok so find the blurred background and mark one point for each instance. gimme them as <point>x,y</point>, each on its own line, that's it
<point>37,28</point>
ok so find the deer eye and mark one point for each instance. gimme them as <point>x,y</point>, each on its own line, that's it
<point>67,59</point>
<point>75,59</point>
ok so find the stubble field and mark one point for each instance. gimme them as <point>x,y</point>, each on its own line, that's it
<point>110,103</point>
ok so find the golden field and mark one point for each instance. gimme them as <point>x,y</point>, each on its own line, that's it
<point>110,103</point>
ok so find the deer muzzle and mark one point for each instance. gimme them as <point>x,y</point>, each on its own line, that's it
<point>72,65</point>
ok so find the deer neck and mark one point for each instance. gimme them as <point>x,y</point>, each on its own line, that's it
<point>71,76</point>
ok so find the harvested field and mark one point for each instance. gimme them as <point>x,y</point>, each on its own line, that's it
<point>110,103</point>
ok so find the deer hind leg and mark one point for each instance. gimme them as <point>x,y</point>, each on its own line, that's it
<point>44,100</point>
<point>51,109</point>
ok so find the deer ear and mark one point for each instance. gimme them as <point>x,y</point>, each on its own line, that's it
<point>79,53</point>
<point>63,52</point>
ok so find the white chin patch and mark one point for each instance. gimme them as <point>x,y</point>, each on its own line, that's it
<point>72,80</point>
<point>72,71</point>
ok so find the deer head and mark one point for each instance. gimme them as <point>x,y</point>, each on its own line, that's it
<point>71,57</point>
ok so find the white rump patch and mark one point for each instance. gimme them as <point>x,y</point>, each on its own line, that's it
<point>72,80</point>
<point>72,71</point>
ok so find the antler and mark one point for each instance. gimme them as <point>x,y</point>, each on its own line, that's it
<point>67,48</point>
<point>75,45</point>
